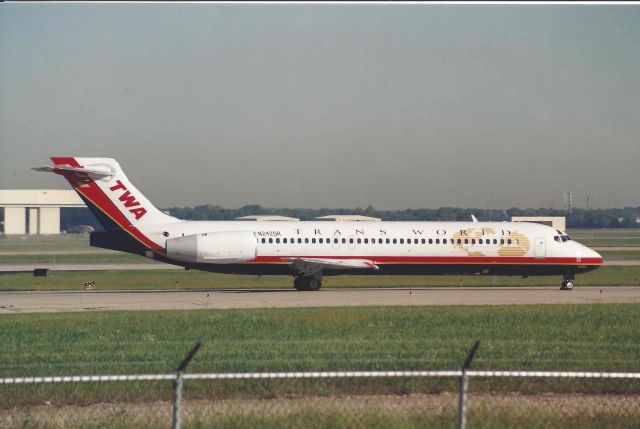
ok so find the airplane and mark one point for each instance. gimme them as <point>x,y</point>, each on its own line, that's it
<point>309,250</point>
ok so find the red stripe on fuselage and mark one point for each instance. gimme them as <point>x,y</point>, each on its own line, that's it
<point>443,259</point>
<point>92,192</point>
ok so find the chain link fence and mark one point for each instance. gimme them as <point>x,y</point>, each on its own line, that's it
<point>365,399</point>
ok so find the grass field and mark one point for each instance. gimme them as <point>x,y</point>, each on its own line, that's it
<point>607,237</point>
<point>580,337</point>
<point>179,279</point>
<point>599,337</point>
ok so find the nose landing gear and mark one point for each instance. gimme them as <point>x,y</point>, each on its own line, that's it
<point>567,284</point>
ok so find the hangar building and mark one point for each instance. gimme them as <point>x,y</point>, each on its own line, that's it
<point>35,211</point>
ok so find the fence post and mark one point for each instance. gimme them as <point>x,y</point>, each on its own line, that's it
<point>177,386</point>
<point>464,383</point>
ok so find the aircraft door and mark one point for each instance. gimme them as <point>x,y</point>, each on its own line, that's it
<point>540,248</point>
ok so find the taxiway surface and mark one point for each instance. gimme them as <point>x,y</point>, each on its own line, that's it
<point>33,302</point>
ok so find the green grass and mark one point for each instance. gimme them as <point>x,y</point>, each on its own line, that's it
<point>620,254</point>
<point>180,279</point>
<point>553,337</point>
<point>581,337</point>
<point>607,237</point>
<point>62,242</point>
<point>87,256</point>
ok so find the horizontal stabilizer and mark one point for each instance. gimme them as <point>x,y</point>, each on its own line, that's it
<point>96,172</point>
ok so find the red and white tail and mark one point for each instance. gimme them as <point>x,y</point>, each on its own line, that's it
<point>105,189</point>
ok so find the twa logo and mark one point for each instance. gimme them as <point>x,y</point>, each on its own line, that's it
<point>129,200</point>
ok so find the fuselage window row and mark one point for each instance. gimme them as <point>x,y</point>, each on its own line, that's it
<point>452,241</point>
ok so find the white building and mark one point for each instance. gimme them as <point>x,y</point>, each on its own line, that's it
<point>35,211</point>
<point>557,222</point>
<point>349,218</point>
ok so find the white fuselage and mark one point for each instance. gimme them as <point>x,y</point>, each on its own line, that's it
<point>478,246</point>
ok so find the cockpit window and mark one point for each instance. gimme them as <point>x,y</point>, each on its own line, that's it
<point>562,238</point>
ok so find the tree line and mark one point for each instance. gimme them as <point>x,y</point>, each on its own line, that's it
<point>579,218</point>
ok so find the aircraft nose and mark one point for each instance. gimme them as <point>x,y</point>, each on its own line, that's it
<point>591,256</point>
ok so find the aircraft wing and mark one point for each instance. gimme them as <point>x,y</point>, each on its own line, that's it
<point>309,266</point>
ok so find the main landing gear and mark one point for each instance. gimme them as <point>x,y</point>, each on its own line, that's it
<point>307,283</point>
<point>567,284</point>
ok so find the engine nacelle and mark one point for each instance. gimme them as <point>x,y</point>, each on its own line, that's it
<point>228,247</point>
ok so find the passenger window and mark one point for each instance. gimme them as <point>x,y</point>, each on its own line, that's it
<point>495,241</point>
<point>306,240</point>
<point>270,240</point>
<point>509,241</point>
<point>444,241</point>
<point>344,240</point>
<point>480,241</point>
<point>320,240</point>
<point>277,240</point>
<point>313,240</point>
<point>264,240</point>
<point>402,241</point>
<point>424,241</point>
<point>335,240</point>
<point>388,241</point>
<point>359,241</point>
<point>366,241</point>
<point>466,241</point>
<point>431,241</point>
<point>459,241</point>
<point>395,241</point>
<point>351,240</point>
<point>473,241</point>
<point>437,241</point>
<point>502,241</point>
<point>284,240</point>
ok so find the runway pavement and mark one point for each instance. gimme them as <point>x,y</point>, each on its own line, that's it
<point>32,302</point>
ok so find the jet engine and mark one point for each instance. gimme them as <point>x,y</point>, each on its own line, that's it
<point>228,247</point>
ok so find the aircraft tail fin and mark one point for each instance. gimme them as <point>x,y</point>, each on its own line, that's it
<point>112,198</point>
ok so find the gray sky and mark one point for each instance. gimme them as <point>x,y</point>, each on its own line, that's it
<point>329,105</point>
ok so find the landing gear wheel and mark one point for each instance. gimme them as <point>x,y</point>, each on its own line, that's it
<point>300,283</point>
<point>304,283</point>
<point>567,285</point>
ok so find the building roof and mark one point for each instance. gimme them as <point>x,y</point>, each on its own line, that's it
<point>349,218</point>
<point>40,198</point>
<point>269,218</point>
